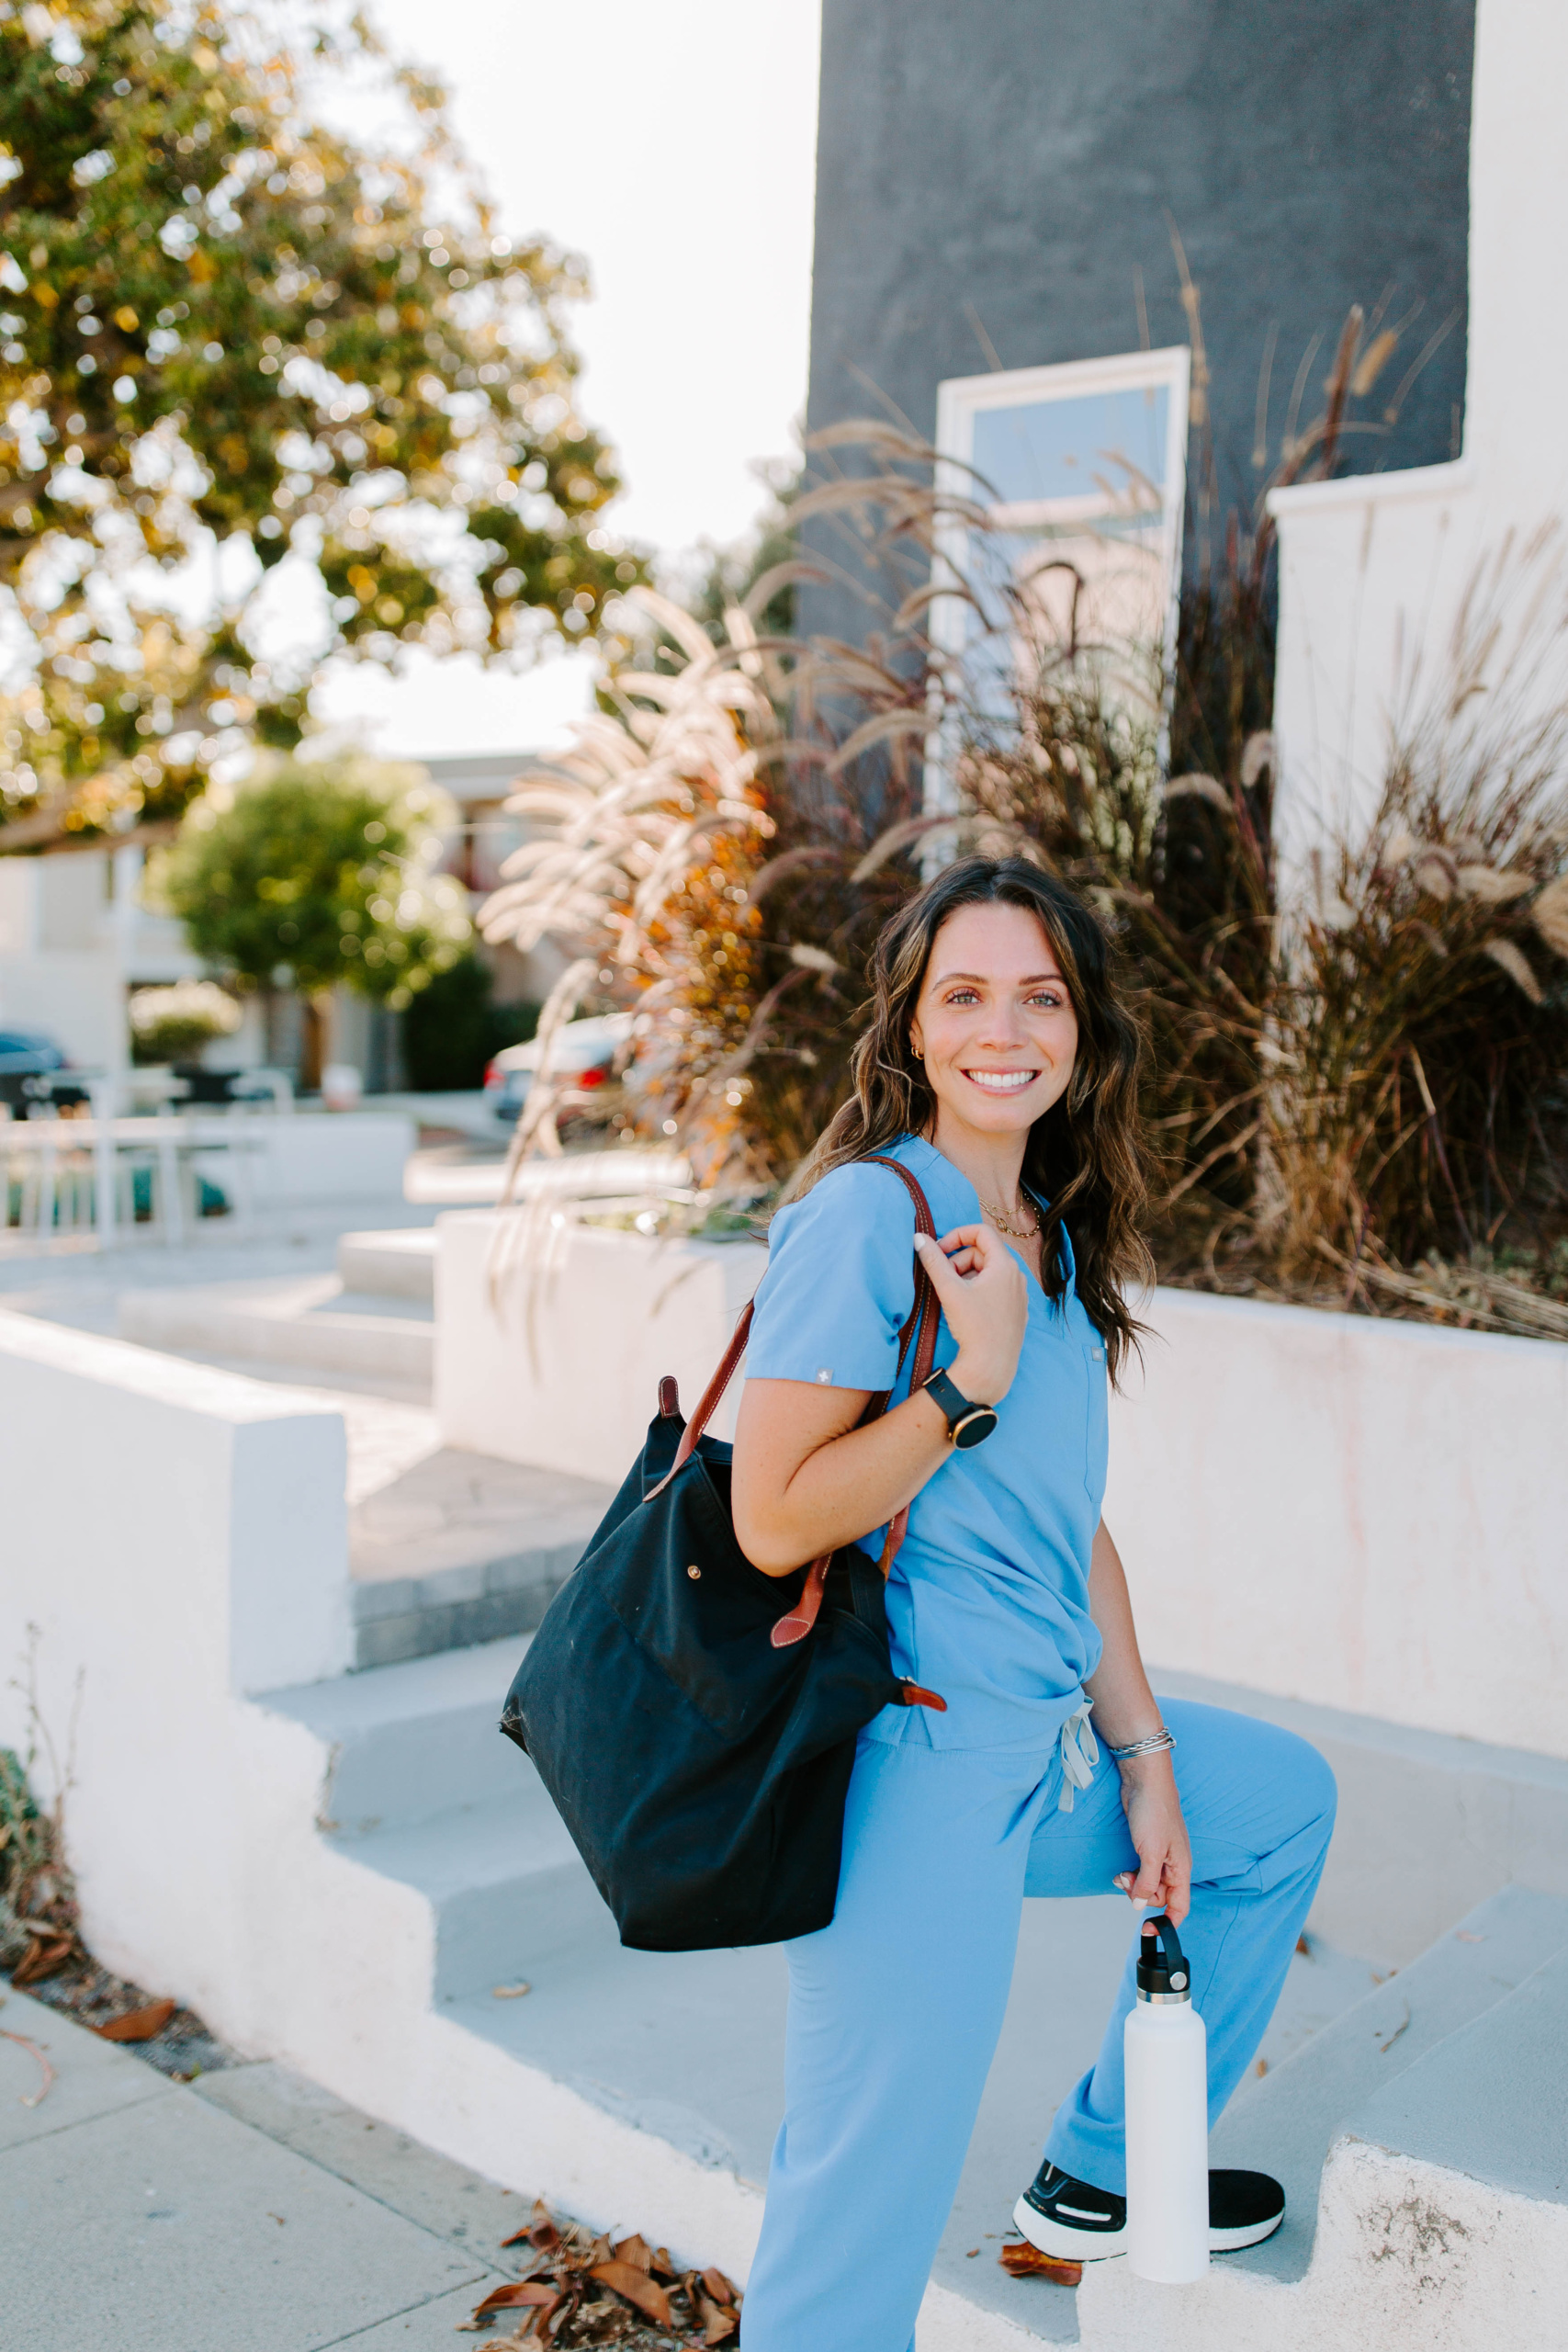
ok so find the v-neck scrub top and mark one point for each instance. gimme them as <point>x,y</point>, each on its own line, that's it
<point>988,1602</point>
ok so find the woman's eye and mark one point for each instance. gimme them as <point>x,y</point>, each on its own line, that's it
<point>962,996</point>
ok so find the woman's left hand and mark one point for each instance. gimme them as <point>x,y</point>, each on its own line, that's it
<point>1164,1875</point>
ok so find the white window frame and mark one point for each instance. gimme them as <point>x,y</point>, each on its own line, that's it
<point>960,400</point>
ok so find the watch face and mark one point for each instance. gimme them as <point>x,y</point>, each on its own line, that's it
<point>974,1427</point>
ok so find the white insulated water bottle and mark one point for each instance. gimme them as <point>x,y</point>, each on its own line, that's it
<point>1167,2116</point>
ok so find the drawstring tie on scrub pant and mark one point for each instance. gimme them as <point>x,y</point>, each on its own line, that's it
<point>1081,1754</point>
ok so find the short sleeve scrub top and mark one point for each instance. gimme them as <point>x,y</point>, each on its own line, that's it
<point>987,1600</point>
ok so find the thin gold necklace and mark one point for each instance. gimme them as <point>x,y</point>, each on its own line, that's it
<point>1004,1225</point>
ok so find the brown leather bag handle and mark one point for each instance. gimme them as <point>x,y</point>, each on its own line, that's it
<point>923,1319</point>
<point>922,1323</point>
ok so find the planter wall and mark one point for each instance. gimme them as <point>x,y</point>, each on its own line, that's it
<point>1372,1516</point>
<point>561,1366</point>
<point>1368,1516</point>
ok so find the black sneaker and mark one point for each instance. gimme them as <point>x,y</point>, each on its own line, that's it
<point>1073,2223</point>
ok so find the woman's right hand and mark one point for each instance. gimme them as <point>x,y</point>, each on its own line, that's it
<point>985,1296</point>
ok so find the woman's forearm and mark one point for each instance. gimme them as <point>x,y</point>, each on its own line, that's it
<point>789,1509</point>
<point>1124,1708</point>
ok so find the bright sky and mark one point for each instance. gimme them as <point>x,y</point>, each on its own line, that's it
<point>675,148</point>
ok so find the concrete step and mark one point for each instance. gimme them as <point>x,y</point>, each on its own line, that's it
<point>460,1549</point>
<point>410,1742</point>
<point>1490,2099</point>
<point>1286,2123</point>
<point>689,2047</point>
<point>309,1324</point>
<point>395,1264</point>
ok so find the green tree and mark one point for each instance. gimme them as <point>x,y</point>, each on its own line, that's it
<point>316,875</point>
<point>237,351</point>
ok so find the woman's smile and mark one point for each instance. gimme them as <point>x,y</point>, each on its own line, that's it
<point>1001,1082</point>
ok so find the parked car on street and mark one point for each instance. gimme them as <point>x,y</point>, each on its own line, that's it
<point>27,1061</point>
<point>584,1051</point>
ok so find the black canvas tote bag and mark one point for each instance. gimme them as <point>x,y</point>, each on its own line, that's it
<point>698,1743</point>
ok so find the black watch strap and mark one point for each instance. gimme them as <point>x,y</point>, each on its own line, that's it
<point>967,1423</point>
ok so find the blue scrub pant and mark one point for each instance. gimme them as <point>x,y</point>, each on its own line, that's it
<point>896,2007</point>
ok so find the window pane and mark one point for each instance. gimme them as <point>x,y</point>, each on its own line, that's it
<point>1049,449</point>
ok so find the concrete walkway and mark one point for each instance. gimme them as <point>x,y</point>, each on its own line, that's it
<point>249,2210</point>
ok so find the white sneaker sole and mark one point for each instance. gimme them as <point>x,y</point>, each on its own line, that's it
<point>1065,2243</point>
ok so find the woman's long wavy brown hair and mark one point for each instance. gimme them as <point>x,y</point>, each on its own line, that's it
<point>1085,1160</point>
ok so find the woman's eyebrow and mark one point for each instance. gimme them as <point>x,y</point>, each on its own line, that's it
<point>1032,981</point>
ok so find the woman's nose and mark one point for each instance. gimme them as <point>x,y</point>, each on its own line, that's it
<point>1002,1031</point>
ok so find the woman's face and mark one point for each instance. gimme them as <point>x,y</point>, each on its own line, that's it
<point>993,1021</point>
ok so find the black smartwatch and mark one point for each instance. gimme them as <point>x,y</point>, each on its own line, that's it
<point>967,1424</point>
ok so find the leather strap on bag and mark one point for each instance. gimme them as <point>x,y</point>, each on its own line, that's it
<point>920,1323</point>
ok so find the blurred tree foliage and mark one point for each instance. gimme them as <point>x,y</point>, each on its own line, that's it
<point>311,876</point>
<point>772,546</point>
<point>231,341</point>
<point>454,1026</point>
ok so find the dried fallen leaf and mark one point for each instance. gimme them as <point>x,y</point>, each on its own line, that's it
<point>1468,1935</point>
<point>719,2322</point>
<point>1402,2026</point>
<point>1262,2067</point>
<point>539,2229</point>
<point>1026,2261</point>
<point>23,2042</point>
<point>603,2294</point>
<point>518,2293</point>
<point>42,1958</point>
<point>509,1991</point>
<point>1302,1946</point>
<point>138,2025</point>
<point>636,2287</point>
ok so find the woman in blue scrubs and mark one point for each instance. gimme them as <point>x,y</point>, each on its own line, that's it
<point>1000,1066</point>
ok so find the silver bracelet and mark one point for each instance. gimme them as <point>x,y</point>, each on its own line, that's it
<point>1155,1744</point>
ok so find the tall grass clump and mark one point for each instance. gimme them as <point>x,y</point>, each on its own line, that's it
<point>1419,1102</point>
<point>1359,1078</point>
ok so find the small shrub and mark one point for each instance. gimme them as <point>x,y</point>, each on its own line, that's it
<point>454,1026</point>
<point>171,1025</point>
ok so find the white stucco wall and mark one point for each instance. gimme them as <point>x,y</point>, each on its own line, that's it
<point>1373,570</point>
<point>177,1536</point>
<point>558,1359</point>
<point>1366,1515</point>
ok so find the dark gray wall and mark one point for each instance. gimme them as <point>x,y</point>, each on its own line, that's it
<point>1017,158</point>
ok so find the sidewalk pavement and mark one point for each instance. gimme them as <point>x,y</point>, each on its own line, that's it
<point>248,2211</point>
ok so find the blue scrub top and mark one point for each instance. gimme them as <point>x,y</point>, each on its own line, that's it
<point>988,1602</point>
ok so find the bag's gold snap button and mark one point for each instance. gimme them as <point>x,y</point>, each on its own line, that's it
<point>694,1573</point>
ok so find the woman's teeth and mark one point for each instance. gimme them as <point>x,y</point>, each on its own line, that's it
<point>1002,1082</point>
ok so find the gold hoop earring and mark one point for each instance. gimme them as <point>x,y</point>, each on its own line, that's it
<point>917,1050</point>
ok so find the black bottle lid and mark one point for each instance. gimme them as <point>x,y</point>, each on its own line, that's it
<point>1163,1973</point>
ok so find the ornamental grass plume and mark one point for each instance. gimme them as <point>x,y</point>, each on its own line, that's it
<point>719,876</point>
